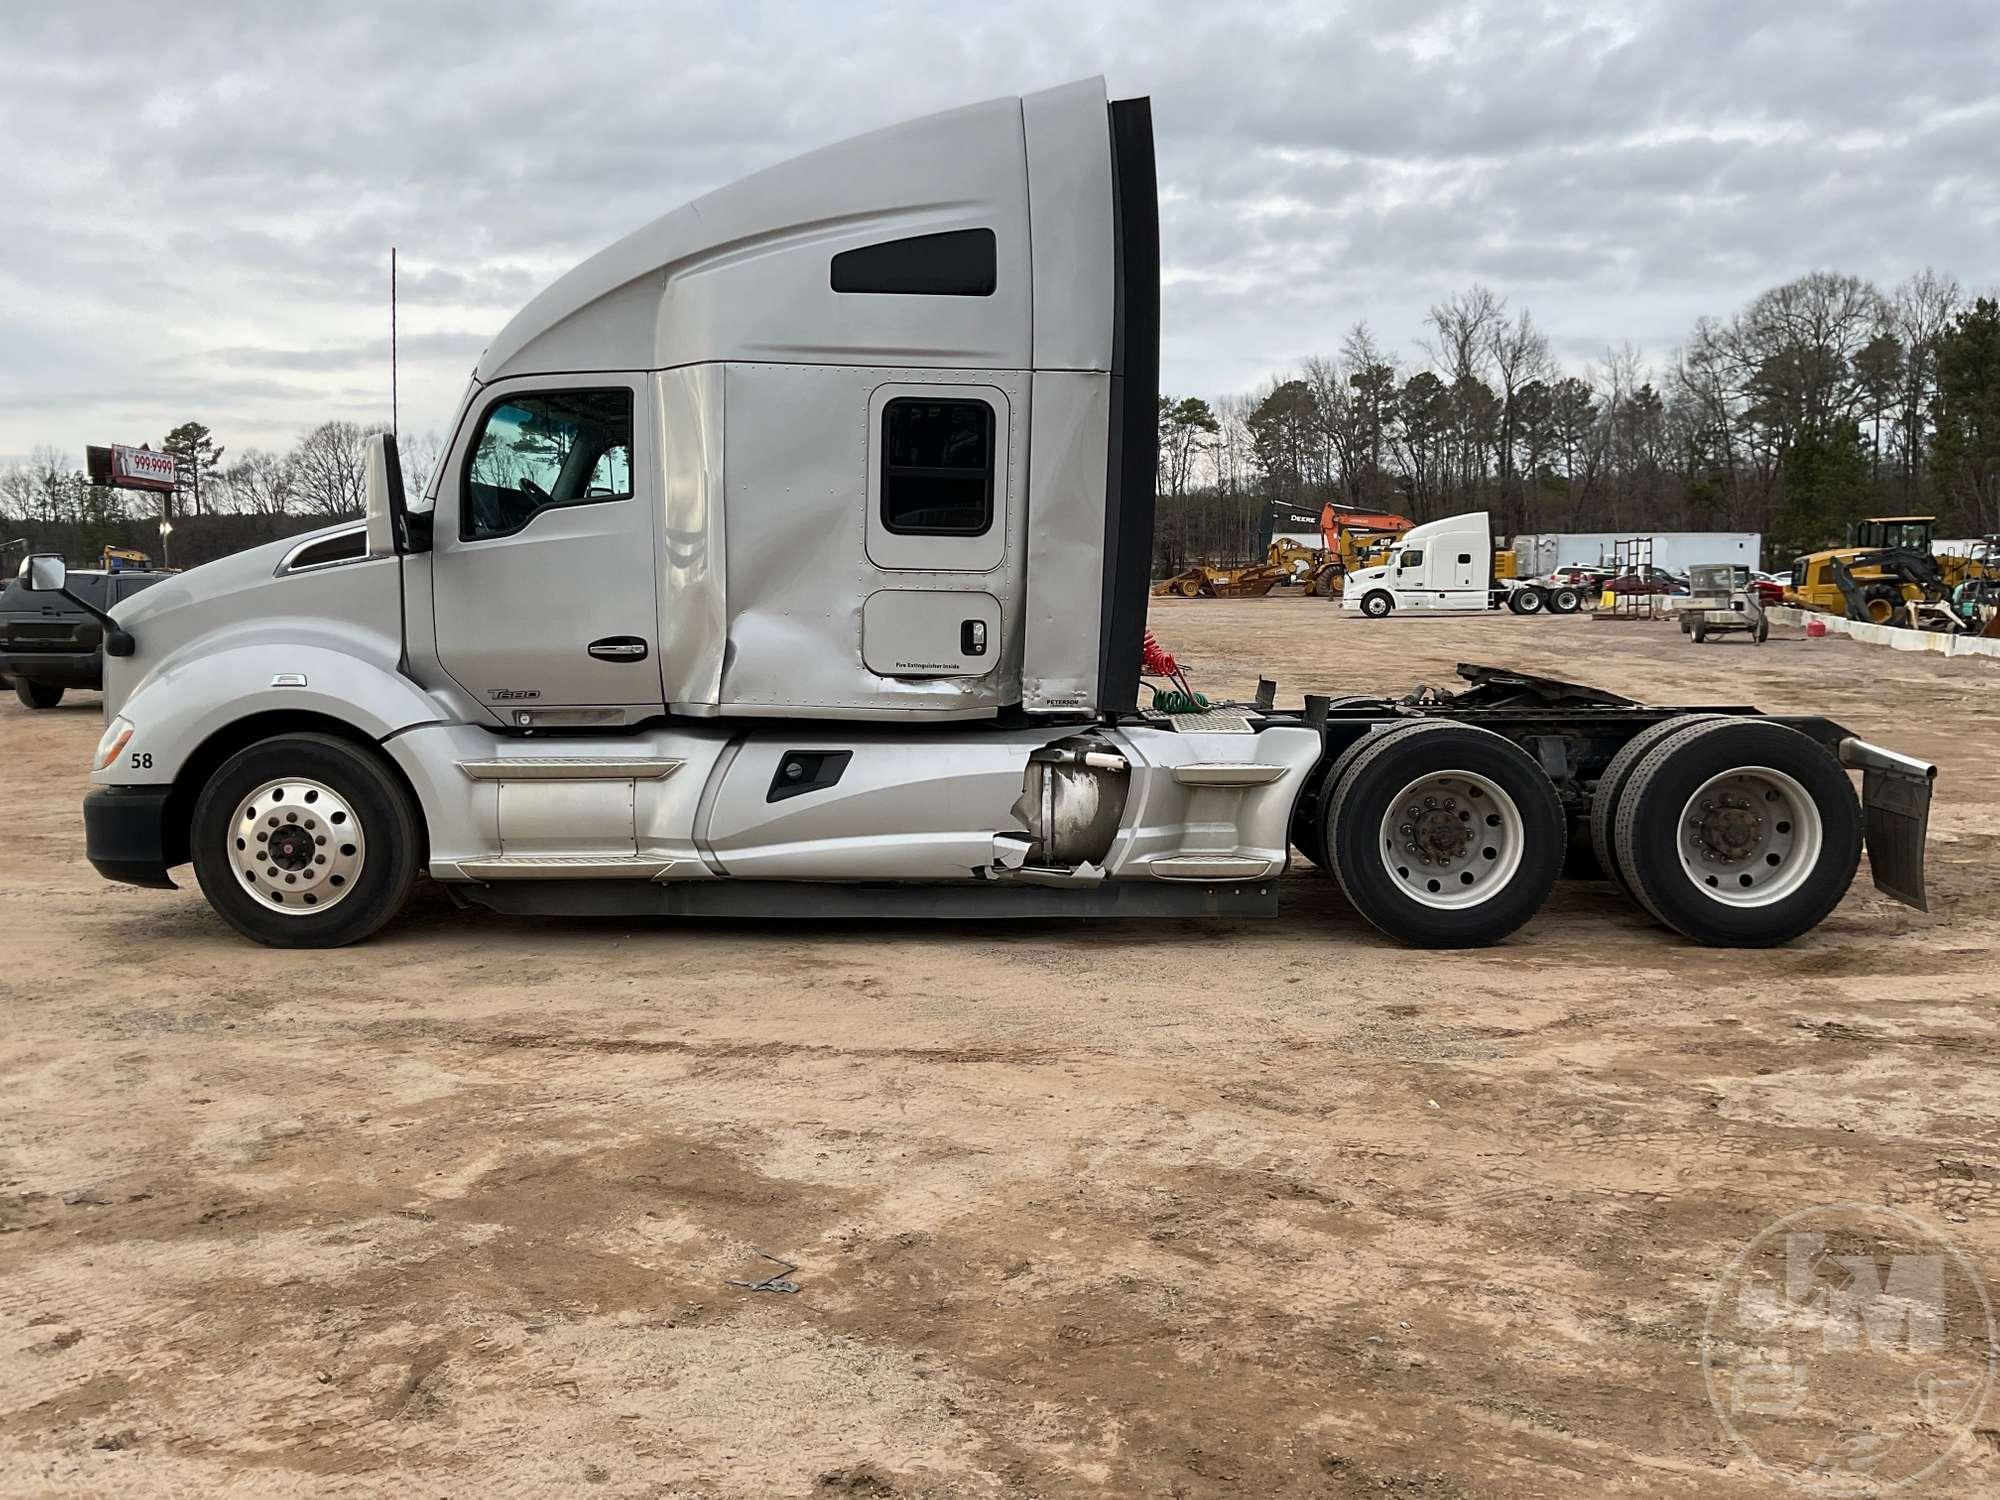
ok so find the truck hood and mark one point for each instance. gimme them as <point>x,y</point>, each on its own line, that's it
<point>355,607</point>
<point>211,580</point>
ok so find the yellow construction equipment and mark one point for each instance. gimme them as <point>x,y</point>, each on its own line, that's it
<point>125,560</point>
<point>1353,540</point>
<point>1880,560</point>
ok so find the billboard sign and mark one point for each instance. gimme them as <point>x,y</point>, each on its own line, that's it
<point>128,468</point>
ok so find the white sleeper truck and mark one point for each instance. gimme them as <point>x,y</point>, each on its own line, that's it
<point>790,557</point>
<point>1448,566</point>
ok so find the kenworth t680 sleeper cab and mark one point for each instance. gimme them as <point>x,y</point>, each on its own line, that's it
<point>790,557</point>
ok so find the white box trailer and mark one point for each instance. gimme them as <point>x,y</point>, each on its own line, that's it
<point>790,557</point>
<point>1541,553</point>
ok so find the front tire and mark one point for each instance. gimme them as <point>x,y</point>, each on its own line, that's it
<point>1739,833</point>
<point>38,694</point>
<point>1444,835</point>
<point>1377,605</point>
<point>305,841</point>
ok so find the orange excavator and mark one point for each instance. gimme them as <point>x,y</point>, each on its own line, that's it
<point>1350,539</point>
<point>1353,539</point>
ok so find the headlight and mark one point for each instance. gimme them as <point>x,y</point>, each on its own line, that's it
<point>117,734</point>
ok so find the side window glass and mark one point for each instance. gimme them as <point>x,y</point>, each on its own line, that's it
<point>1413,558</point>
<point>536,451</point>
<point>937,467</point>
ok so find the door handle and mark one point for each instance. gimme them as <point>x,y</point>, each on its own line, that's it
<point>618,648</point>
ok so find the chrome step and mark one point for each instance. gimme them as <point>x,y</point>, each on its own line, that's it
<point>566,867</point>
<point>1226,773</point>
<point>570,768</point>
<point>1211,867</point>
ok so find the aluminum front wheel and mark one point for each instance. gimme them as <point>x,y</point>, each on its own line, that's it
<point>1750,836</point>
<point>1451,839</point>
<point>296,846</point>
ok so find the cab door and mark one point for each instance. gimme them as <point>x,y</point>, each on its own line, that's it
<point>544,570</point>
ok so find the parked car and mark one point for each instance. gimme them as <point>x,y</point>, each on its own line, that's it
<point>49,645</point>
<point>1647,580</point>
<point>1591,579</point>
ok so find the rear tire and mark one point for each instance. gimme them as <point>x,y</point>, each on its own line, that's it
<point>1525,601</point>
<point>374,827</point>
<point>38,694</point>
<point>1611,786</point>
<point>1377,605</point>
<point>1489,834</point>
<point>1565,601</point>
<point>1699,630</point>
<point>1739,833</point>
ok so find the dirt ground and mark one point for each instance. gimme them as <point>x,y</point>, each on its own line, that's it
<point>1257,1208</point>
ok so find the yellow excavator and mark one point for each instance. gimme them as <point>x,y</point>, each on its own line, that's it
<point>1880,561</point>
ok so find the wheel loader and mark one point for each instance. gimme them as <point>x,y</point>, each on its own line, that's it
<point>1890,561</point>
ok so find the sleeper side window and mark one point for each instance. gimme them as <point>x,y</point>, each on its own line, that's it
<point>539,450</point>
<point>937,467</point>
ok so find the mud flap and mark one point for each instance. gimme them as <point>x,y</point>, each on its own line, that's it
<point>1896,800</point>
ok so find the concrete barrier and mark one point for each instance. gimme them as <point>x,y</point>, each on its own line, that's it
<point>1893,636</point>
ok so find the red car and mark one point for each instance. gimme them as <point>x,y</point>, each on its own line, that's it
<point>1648,581</point>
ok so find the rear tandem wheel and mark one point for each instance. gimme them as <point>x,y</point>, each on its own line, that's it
<point>1443,835</point>
<point>1738,833</point>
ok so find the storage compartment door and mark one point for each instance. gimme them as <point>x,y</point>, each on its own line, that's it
<point>930,633</point>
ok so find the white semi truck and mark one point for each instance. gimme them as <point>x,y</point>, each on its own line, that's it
<point>789,557</point>
<point>1447,566</point>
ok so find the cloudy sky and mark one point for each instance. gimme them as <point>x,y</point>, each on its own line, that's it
<point>197,200</point>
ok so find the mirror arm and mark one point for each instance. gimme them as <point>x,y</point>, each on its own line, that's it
<point>117,640</point>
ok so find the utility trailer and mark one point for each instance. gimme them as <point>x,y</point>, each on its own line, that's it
<point>741,590</point>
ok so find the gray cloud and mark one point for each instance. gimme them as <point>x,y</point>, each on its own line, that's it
<point>200,200</point>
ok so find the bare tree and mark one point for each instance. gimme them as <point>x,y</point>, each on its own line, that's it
<point>421,453</point>
<point>260,483</point>
<point>1920,310</point>
<point>330,478</point>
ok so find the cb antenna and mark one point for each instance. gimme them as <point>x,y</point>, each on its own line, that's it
<point>395,429</point>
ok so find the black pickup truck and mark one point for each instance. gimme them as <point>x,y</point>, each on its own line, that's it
<point>48,645</point>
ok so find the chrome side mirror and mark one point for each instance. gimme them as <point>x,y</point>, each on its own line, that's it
<point>44,573</point>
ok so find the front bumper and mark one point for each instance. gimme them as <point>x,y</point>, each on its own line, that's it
<point>70,669</point>
<point>125,833</point>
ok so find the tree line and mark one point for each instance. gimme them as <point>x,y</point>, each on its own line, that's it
<point>220,504</point>
<point>1823,400</point>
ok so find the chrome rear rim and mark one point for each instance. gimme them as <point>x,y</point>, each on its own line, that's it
<point>1451,839</point>
<point>1749,837</point>
<point>296,846</point>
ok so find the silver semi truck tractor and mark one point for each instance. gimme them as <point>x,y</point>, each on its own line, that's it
<point>790,556</point>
